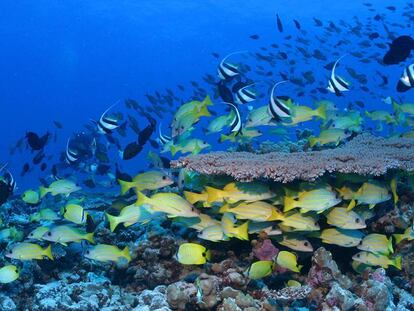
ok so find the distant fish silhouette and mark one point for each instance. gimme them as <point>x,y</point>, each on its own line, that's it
<point>399,51</point>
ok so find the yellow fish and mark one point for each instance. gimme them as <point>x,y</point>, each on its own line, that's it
<point>170,203</point>
<point>61,186</point>
<point>74,213</point>
<point>341,237</point>
<point>342,218</point>
<point>37,234</point>
<point>29,251</point>
<point>372,259</point>
<point>407,235</point>
<point>108,253</point>
<point>234,192</point>
<point>300,222</point>
<point>288,261</point>
<point>31,197</point>
<point>260,269</point>
<point>255,211</point>
<point>192,254</point>
<point>151,180</point>
<point>45,214</point>
<point>317,200</point>
<point>228,224</point>
<point>65,234</point>
<point>370,193</point>
<point>213,233</point>
<point>193,145</point>
<point>9,274</point>
<point>129,216</point>
<point>376,243</point>
<point>329,136</point>
<point>297,244</point>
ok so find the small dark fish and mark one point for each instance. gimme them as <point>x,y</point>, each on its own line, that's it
<point>377,17</point>
<point>297,25</point>
<point>391,8</point>
<point>360,103</point>
<point>225,93</point>
<point>121,175</point>
<point>4,192</point>
<point>25,169</point>
<point>216,55</point>
<point>130,151</point>
<point>103,169</point>
<point>38,157</point>
<point>90,183</point>
<point>374,35</point>
<point>154,144</point>
<point>279,23</point>
<point>399,50</point>
<point>254,37</point>
<point>318,22</point>
<point>43,167</point>
<point>35,142</point>
<point>58,124</point>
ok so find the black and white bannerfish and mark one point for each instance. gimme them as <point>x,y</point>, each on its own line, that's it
<point>70,155</point>
<point>106,124</point>
<point>163,139</point>
<point>406,81</point>
<point>277,109</point>
<point>245,95</point>
<point>336,84</point>
<point>236,123</point>
<point>11,182</point>
<point>227,70</point>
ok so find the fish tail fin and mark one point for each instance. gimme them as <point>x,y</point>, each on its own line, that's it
<point>113,221</point>
<point>207,101</point>
<point>48,252</point>
<point>224,138</point>
<point>213,194</point>
<point>276,215</point>
<point>312,141</point>
<point>89,237</point>
<point>243,231</point>
<point>390,120</point>
<point>300,268</point>
<point>126,254</point>
<point>125,186</point>
<point>141,198</point>
<point>351,205</point>
<point>204,112</point>
<point>321,111</point>
<point>225,208</point>
<point>289,204</point>
<point>192,197</point>
<point>173,150</point>
<point>43,191</point>
<point>208,255</point>
<point>397,262</point>
<point>389,245</point>
<point>398,238</point>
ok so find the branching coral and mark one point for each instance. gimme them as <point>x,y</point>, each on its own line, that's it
<point>364,155</point>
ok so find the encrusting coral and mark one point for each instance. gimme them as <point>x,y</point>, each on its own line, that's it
<point>364,155</point>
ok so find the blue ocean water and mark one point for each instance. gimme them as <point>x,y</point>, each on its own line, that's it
<point>64,63</point>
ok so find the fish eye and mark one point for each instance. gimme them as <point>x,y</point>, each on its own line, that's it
<point>357,220</point>
<point>316,223</point>
<point>306,244</point>
<point>204,142</point>
<point>182,127</point>
<point>87,252</point>
<point>164,177</point>
<point>49,233</point>
<point>31,234</point>
<point>358,255</point>
<point>16,271</point>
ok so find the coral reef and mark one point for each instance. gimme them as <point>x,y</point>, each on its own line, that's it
<point>364,155</point>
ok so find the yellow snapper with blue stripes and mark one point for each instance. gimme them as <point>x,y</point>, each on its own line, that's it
<point>129,216</point>
<point>372,259</point>
<point>296,243</point>
<point>299,222</point>
<point>65,234</point>
<point>29,251</point>
<point>214,233</point>
<point>230,229</point>
<point>255,211</point>
<point>342,218</point>
<point>407,235</point>
<point>341,237</point>
<point>108,253</point>
<point>376,243</point>
<point>317,200</point>
<point>235,191</point>
<point>370,193</point>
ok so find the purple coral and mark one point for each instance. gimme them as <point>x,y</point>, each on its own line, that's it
<point>265,250</point>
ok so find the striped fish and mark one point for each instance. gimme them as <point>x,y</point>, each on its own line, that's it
<point>376,243</point>
<point>70,156</point>
<point>277,109</point>
<point>341,237</point>
<point>340,217</point>
<point>11,182</point>
<point>163,139</point>
<point>300,222</point>
<point>106,124</point>
<point>336,84</point>
<point>236,123</point>
<point>227,70</point>
<point>244,95</point>
<point>406,81</point>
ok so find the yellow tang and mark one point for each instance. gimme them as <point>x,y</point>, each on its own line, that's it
<point>193,254</point>
<point>9,274</point>
<point>372,259</point>
<point>288,261</point>
<point>29,251</point>
<point>108,253</point>
<point>260,269</point>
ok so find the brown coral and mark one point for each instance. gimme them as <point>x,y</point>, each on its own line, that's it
<point>364,155</point>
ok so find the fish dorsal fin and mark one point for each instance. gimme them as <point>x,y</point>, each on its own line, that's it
<point>231,54</point>
<point>334,66</point>
<point>109,108</point>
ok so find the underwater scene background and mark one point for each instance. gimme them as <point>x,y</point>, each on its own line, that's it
<point>207,155</point>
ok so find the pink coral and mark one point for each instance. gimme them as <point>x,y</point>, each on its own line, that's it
<point>364,155</point>
<point>265,250</point>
